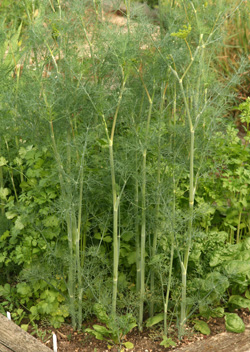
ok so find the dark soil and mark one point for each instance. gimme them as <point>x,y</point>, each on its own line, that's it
<point>147,341</point>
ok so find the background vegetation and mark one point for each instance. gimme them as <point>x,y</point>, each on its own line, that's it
<point>124,165</point>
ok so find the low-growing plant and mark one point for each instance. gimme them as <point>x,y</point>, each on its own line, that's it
<point>38,302</point>
<point>228,182</point>
<point>113,331</point>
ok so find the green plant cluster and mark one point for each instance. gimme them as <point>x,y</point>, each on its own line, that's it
<point>123,176</point>
<point>113,332</point>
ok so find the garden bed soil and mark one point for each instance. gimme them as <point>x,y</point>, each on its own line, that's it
<point>149,340</point>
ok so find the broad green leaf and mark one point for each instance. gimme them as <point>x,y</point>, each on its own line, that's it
<point>102,330</point>
<point>154,320</point>
<point>23,289</point>
<point>5,290</point>
<point>238,267</point>
<point>130,327</point>
<point>2,257</point>
<point>239,301</point>
<point>98,236</point>
<point>217,312</point>
<point>5,235</point>
<point>107,239</point>
<point>25,327</point>
<point>204,310</point>
<point>246,244</point>
<point>126,236</point>
<point>243,255</point>
<point>44,307</point>
<point>128,345</point>
<point>63,311</point>
<point>18,161</point>
<point>97,335</point>
<point>51,221</point>
<point>18,223</point>
<point>101,313</point>
<point>3,161</point>
<point>207,312</point>
<point>202,326</point>
<point>4,192</point>
<point>224,254</point>
<point>131,257</point>
<point>33,310</point>
<point>49,295</point>
<point>19,311</point>
<point>234,323</point>
<point>247,294</point>
<point>10,215</point>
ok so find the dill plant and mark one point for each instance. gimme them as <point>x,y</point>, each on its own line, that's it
<point>127,114</point>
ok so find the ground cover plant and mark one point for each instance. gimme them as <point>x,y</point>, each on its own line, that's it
<point>123,177</point>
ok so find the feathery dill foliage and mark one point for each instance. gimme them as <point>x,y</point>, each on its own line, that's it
<point>120,120</point>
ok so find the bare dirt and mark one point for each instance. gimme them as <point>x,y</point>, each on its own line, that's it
<point>149,340</point>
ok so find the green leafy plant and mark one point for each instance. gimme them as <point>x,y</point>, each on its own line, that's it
<point>234,323</point>
<point>37,302</point>
<point>114,331</point>
<point>202,326</point>
<point>113,183</point>
<point>167,342</point>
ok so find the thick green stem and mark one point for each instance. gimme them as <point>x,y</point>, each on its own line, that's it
<point>170,264</point>
<point>169,284</point>
<point>137,234</point>
<point>184,264</point>
<point>143,239</point>
<point>154,245</point>
<point>173,225</point>
<point>143,220</point>
<point>78,254</point>
<point>2,186</point>
<point>115,228</point>
<point>83,242</point>
<point>157,208</point>
<point>116,199</point>
<point>183,300</point>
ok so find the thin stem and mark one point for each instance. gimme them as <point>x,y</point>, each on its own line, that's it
<point>2,186</point>
<point>11,173</point>
<point>238,228</point>
<point>128,14</point>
